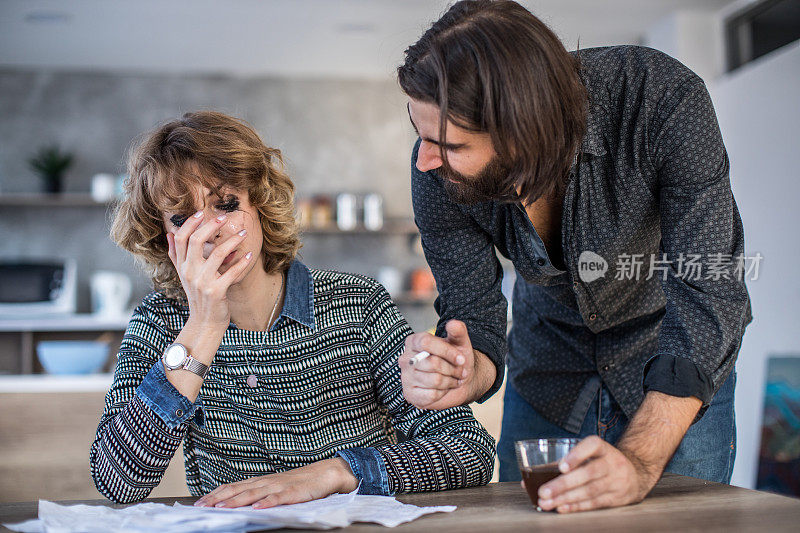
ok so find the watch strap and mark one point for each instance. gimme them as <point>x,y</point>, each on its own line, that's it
<point>193,365</point>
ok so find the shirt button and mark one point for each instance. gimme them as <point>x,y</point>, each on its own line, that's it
<point>592,316</point>
<point>541,262</point>
<point>575,284</point>
<point>605,368</point>
<point>179,413</point>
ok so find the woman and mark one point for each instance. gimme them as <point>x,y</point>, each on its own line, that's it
<point>281,382</point>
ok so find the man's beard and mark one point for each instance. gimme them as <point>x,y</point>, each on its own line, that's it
<point>489,184</point>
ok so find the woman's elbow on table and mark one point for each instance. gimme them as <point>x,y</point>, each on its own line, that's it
<point>111,483</point>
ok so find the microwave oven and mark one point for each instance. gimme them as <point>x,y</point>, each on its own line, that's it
<point>37,287</point>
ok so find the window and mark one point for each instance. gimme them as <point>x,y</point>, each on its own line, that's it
<point>760,29</point>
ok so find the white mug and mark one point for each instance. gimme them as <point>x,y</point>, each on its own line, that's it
<point>391,280</point>
<point>103,187</point>
<point>110,293</point>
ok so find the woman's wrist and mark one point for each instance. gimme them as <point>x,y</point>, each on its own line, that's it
<point>202,339</point>
<point>200,325</point>
<point>343,478</point>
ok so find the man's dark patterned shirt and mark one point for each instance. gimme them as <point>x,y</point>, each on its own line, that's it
<point>650,188</point>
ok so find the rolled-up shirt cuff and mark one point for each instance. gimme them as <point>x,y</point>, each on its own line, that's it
<point>368,467</point>
<point>163,398</point>
<point>678,376</point>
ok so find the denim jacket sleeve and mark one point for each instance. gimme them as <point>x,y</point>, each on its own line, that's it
<point>164,399</point>
<point>368,467</point>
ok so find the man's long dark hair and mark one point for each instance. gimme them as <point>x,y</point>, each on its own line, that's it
<point>492,66</point>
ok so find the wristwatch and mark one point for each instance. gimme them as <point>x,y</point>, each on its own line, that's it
<point>177,356</point>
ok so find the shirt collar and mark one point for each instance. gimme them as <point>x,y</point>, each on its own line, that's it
<point>299,302</point>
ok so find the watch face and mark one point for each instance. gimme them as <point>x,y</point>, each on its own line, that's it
<point>174,356</point>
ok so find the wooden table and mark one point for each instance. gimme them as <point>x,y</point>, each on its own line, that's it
<point>678,503</point>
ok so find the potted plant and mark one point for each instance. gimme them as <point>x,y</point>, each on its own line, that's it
<point>51,163</point>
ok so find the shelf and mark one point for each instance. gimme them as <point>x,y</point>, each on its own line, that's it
<point>67,199</point>
<point>78,322</point>
<point>391,226</point>
<point>411,299</point>
<point>53,383</point>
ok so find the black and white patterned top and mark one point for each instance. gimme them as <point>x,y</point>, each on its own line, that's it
<point>328,384</point>
<point>651,181</point>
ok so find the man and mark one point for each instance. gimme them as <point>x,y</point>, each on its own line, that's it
<point>573,165</point>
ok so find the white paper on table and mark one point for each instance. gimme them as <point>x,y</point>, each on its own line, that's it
<point>337,510</point>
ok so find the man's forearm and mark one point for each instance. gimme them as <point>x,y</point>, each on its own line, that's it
<point>485,375</point>
<point>656,431</point>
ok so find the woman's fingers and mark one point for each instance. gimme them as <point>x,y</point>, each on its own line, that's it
<point>261,492</point>
<point>264,496</point>
<point>245,497</point>
<point>229,490</point>
<point>232,274</point>
<point>284,498</point>
<point>222,251</point>
<point>201,235</point>
<point>171,249</point>
<point>309,482</point>
<point>184,232</point>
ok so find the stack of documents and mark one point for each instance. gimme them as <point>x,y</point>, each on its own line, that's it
<point>337,510</point>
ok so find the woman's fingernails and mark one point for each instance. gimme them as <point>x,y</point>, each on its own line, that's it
<point>198,214</point>
<point>220,504</point>
<point>222,217</point>
<point>243,233</point>
<point>249,255</point>
<point>460,360</point>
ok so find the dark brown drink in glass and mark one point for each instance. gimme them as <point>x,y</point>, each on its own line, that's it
<point>536,476</point>
<point>538,461</point>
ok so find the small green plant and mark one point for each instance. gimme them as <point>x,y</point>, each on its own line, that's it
<point>51,163</point>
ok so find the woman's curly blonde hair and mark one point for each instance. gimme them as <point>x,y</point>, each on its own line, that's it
<point>212,150</point>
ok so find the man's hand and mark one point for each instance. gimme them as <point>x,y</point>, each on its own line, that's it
<point>454,374</point>
<point>596,475</point>
<point>303,484</point>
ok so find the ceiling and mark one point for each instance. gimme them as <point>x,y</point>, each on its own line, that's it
<point>310,38</point>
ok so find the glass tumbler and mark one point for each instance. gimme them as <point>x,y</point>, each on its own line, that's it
<point>538,462</point>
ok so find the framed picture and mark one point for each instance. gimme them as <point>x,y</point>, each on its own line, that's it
<point>779,458</point>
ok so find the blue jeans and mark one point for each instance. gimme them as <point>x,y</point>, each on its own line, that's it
<point>707,450</point>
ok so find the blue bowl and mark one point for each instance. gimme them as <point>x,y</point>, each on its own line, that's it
<point>72,357</point>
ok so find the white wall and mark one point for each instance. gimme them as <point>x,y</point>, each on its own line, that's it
<point>758,107</point>
<point>693,37</point>
<point>309,38</point>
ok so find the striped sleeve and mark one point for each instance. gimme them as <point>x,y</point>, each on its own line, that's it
<point>442,450</point>
<point>134,444</point>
